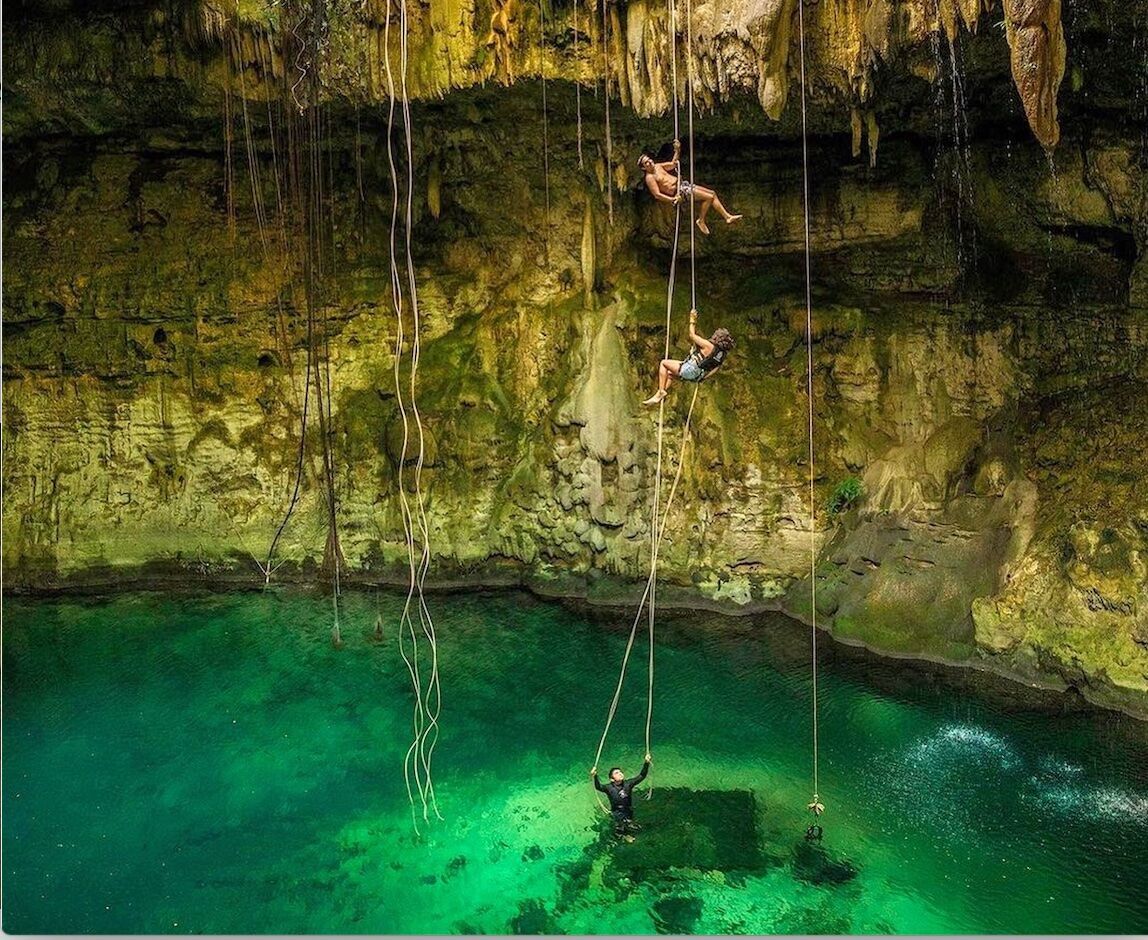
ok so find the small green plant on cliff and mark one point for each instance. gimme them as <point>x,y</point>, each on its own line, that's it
<point>844,495</point>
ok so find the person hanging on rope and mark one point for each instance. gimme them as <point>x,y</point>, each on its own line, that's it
<point>707,356</point>
<point>665,185</point>
<point>620,792</point>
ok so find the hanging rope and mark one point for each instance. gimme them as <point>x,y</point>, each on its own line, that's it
<point>690,113</point>
<point>661,531</point>
<point>657,528</point>
<point>815,806</point>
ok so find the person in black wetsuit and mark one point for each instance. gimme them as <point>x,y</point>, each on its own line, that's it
<point>707,357</point>
<point>620,792</point>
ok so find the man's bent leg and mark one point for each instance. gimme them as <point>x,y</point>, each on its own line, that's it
<point>619,822</point>
<point>725,213</point>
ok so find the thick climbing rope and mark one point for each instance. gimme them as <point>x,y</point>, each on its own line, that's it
<point>815,805</point>
<point>690,119</point>
<point>661,531</point>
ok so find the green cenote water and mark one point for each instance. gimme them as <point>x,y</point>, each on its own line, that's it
<point>211,764</point>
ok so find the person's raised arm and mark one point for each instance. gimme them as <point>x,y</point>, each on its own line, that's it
<point>701,342</point>
<point>597,783</point>
<point>672,163</point>
<point>642,776</point>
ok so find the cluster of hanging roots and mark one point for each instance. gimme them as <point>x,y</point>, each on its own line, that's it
<point>305,226</point>
<point>301,235</point>
<point>427,693</point>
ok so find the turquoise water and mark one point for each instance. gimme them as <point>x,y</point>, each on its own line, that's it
<point>211,764</point>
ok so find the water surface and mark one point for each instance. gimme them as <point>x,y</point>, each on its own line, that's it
<point>211,764</point>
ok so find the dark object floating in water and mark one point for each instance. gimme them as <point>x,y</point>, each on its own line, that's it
<point>814,865</point>
<point>533,854</point>
<point>814,833</point>
<point>709,830</point>
<point>675,915</point>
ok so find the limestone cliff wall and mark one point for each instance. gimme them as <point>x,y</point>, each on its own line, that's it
<point>980,317</point>
<point>981,374</point>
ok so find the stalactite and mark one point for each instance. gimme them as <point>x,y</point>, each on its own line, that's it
<point>1037,52</point>
<point>589,255</point>
<point>745,47</point>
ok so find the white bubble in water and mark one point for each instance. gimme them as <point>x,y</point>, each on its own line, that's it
<point>1092,803</point>
<point>1059,767</point>
<point>969,743</point>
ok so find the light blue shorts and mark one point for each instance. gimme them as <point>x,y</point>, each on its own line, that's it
<point>690,372</point>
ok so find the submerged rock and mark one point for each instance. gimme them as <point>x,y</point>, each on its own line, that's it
<point>676,915</point>
<point>533,917</point>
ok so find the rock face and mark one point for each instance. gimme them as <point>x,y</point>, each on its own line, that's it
<point>980,323</point>
<point>76,74</point>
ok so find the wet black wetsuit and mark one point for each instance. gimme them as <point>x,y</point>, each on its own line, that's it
<point>621,798</point>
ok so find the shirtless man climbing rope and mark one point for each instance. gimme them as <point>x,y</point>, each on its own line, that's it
<point>664,184</point>
<point>704,360</point>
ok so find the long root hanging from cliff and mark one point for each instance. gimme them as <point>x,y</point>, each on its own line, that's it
<point>609,140</point>
<point>545,129</point>
<point>427,695</point>
<point>577,90</point>
<point>434,694</point>
<point>288,245</point>
<point>302,45</point>
<point>406,625</point>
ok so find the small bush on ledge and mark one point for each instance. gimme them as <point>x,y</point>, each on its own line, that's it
<point>845,495</point>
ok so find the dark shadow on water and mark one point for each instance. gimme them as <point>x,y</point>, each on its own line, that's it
<point>684,832</point>
<point>705,830</point>
<point>771,641</point>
